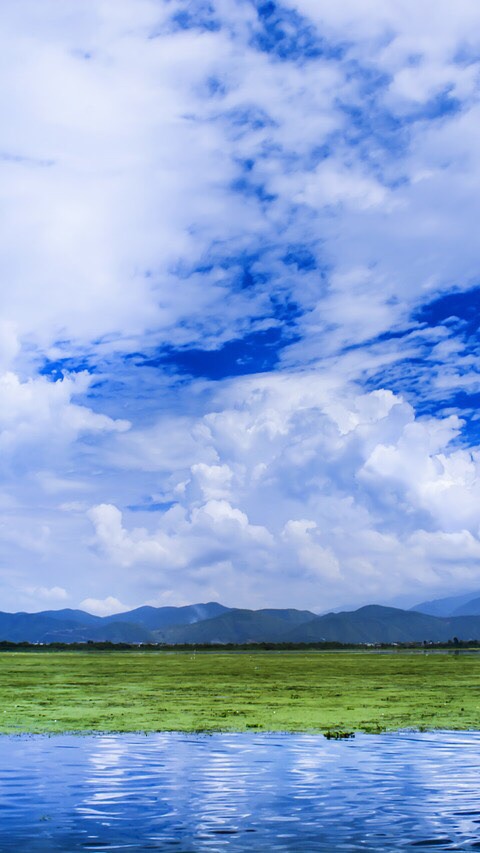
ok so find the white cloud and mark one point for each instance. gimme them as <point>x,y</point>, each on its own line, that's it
<point>334,184</point>
<point>127,548</point>
<point>202,537</point>
<point>457,548</point>
<point>320,561</point>
<point>159,187</point>
<point>336,496</point>
<point>103,607</point>
<point>55,594</point>
<point>443,481</point>
<point>214,480</point>
<point>36,409</point>
<point>130,202</point>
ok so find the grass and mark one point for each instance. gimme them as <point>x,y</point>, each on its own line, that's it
<point>47,692</point>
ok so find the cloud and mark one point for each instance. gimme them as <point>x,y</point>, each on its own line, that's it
<point>103,607</point>
<point>43,594</point>
<point>321,562</point>
<point>207,535</point>
<point>124,548</point>
<point>333,184</point>
<point>443,481</point>
<point>148,218</point>
<point>327,490</point>
<point>213,480</point>
<point>459,547</point>
<point>39,422</point>
<point>286,195</point>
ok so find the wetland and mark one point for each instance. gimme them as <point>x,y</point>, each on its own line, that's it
<point>325,692</point>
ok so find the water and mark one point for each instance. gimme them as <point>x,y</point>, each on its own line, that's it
<point>239,792</point>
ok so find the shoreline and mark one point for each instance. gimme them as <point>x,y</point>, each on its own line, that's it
<point>347,736</point>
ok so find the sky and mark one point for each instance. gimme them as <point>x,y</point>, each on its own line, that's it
<point>239,302</point>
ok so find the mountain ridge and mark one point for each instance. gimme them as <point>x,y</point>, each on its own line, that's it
<point>211,623</point>
<point>450,605</point>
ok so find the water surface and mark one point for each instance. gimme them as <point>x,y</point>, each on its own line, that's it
<point>238,792</point>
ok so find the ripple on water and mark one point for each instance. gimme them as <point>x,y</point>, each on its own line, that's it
<point>235,792</point>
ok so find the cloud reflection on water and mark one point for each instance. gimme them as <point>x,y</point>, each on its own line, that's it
<point>233,791</point>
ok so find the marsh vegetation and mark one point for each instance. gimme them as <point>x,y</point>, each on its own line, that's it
<point>226,691</point>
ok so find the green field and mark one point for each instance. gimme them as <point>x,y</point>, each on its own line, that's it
<point>259,691</point>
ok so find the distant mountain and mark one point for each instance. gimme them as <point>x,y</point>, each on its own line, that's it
<point>156,618</point>
<point>39,628</point>
<point>195,625</point>
<point>120,632</point>
<point>76,626</point>
<point>240,626</point>
<point>70,615</point>
<point>450,606</point>
<point>469,608</point>
<point>376,624</point>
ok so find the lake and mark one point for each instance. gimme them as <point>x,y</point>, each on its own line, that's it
<point>238,792</point>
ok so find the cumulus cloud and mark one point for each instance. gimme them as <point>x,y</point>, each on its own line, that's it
<point>32,410</point>
<point>123,547</point>
<point>204,537</point>
<point>279,194</point>
<point>308,553</point>
<point>443,481</point>
<point>103,607</point>
<point>55,594</point>
<point>326,491</point>
<point>213,480</point>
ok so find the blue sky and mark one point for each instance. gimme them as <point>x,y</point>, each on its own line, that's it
<point>239,354</point>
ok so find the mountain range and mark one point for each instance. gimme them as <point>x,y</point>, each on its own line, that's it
<point>467,604</point>
<point>439,620</point>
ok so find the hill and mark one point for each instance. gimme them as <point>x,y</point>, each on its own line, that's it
<point>469,608</point>
<point>156,618</point>
<point>450,606</point>
<point>41,628</point>
<point>195,624</point>
<point>377,624</point>
<point>78,616</point>
<point>240,626</point>
<point>76,626</point>
<point>30,627</point>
